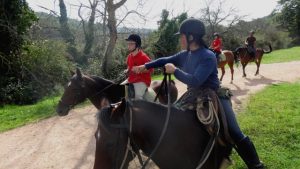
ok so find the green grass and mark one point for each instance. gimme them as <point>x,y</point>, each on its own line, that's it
<point>160,77</point>
<point>272,121</point>
<point>13,116</point>
<point>283,55</point>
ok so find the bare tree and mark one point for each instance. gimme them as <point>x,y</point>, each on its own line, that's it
<point>89,29</point>
<point>104,12</point>
<point>112,26</point>
<point>214,15</point>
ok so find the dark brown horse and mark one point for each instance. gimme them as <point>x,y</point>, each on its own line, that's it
<point>182,146</point>
<point>244,56</point>
<point>97,89</point>
<point>230,59</point>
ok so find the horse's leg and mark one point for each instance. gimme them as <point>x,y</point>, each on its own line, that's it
<point>223,72</point>
<point>231,70</point>
<point>257,65</point>
<point>244,66</point>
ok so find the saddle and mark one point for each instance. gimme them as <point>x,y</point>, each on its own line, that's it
<point>251,50</point>
<point>149,94</point>
<point>205,102</point>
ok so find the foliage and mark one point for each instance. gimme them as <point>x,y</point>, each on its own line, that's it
<point>289,17</point>
<point>272,119</point>
<point>266,32</point>
<point>167,43</point>
<point>44,66</point>
<point>15,19</point>
<point>12,116</point>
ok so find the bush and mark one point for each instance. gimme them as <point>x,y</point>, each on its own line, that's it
<point>44,66</point>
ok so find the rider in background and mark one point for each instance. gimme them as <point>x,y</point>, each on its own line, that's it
<point>136,57</point>
<point>196,66</point>
<point>250,44</point>
<point>216,45</point>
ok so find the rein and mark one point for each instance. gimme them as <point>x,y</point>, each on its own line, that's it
<point>78,93</point>
<point>130,141</point>
<point>166,122</point>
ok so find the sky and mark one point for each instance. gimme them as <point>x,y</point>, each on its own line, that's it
<point>151,9</point>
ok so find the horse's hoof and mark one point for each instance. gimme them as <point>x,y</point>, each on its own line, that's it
<point>231,82</point>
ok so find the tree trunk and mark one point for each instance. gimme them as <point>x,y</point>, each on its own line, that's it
<point>89,33</point>
<point>112,26</point>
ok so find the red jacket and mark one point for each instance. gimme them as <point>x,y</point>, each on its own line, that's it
<point>139,59</point>
<point>217,45</point>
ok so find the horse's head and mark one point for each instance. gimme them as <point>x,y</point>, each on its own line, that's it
<point>74,94</point>
<point>111,138</point>
<point>163,94</point>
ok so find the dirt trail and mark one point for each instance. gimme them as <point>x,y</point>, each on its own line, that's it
<point>68,142</point>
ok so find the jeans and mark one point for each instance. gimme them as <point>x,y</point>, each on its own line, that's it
<point>233,127</point>
<point>139,89</point>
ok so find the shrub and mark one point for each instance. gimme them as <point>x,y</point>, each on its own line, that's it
<point>44,66</point>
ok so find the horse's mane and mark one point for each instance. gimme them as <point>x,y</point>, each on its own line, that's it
<point>100,80</point>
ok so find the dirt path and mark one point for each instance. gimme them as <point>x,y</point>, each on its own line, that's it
<point>68,142</point>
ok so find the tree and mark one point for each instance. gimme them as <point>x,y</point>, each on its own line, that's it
<point>89,30</point>
<point>15,19</point>
<point>290,17</point>
<point>112,27</point>
<point>167,43</point>
<point>66,32</point>
<point>213,14</point>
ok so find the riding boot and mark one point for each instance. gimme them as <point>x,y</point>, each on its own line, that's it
<point>247,152</point>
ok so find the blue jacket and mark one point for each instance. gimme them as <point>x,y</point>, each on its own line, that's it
<point>196,69</point>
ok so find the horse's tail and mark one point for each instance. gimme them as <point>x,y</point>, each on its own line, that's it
<point>269,50</point>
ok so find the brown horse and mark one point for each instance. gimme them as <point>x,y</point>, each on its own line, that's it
<point>97,89</point>
<point>244,56</point>
<point>230,59</point>
<point>137,125</point>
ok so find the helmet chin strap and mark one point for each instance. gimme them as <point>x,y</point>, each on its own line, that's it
<point>134,49</point>
<point>189,39</point>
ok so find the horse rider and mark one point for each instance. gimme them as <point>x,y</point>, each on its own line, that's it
<point>216,46</point>
<point>197,68</point>
<point>140,81</point>
<point>250,44</point>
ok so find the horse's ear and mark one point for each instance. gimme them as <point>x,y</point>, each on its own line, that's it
<point>78,72</point>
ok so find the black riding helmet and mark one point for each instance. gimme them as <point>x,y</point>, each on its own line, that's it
<point>193,29</point>
<point>135,38</point>
<point>192,26</point>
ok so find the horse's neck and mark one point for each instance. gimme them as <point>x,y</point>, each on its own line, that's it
<point>94,91</point>
<point>148,122</point>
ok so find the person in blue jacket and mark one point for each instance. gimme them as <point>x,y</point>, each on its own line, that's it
<point>197,68</point>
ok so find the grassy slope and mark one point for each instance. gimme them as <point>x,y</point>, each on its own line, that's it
<point>283,55</point>
<point>12,116</point>
<point>272,120</point>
